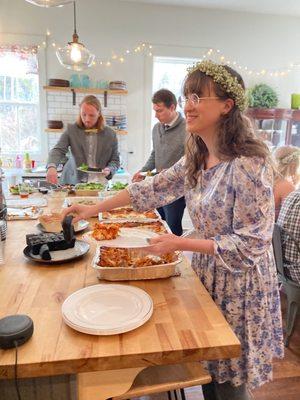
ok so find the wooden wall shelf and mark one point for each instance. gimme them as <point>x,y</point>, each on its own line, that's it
<point>270,113</point>
<point>290,116</point>
<point>84,90</point>
<point>118,131</point>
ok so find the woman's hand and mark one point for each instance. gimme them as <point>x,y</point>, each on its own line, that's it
<point>80,211</point>
<point>137,177</point>
<point>162,244</point>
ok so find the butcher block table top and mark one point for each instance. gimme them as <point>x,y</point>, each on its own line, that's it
<point>186,325</point>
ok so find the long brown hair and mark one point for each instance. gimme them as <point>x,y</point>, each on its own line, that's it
<point>93,101</point>
<point>236,135</point>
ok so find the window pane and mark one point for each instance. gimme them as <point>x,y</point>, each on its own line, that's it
<point>19,129</point>
<point>8,127</point>
<point>7,89</point>
<point>169,73</point>
<point>1,87</point>
<point>28,128</point>
<point>19,99</point>
<point>25,90</point>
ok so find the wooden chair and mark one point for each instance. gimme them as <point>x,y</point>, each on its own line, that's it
<point>292,289</point>
<point>155,379</point>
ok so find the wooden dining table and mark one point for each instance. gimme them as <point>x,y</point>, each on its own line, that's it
<point>186,325</point>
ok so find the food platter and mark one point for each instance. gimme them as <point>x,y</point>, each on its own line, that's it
<point>157,226</point>
<point>129,214</point>
<point>23,213</point>
<point>25,203</point>
<point>134,272</point>
<point>15,190</point>
<point>86,200</point>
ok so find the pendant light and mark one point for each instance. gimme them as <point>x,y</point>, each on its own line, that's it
<point>75,55</point>
<point>49,3</point>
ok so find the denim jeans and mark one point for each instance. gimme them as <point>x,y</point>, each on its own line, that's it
<point>225,391</point>
<point>172,213</point>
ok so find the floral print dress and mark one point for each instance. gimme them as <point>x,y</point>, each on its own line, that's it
<point>232,204</point>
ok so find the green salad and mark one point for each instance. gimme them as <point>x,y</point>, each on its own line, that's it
<point>83,167</point>
<point>90,186</point>
<point>118,186</point>
<point>15,190</point>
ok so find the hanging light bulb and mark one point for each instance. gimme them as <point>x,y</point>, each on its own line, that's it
<point>75,52</point>
<point>49,3</point>
<point>75,55</point>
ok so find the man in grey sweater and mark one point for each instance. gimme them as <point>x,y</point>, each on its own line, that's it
<point>168,138</point>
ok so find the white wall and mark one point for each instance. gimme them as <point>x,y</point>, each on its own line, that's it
<point>256,40</point>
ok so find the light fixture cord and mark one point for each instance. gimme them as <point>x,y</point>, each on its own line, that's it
<point>74,6</point>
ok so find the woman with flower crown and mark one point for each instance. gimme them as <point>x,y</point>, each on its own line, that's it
<point>287,178</point>
<point>227,178</point>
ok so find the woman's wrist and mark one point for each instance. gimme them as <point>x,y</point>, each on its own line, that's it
<point>205,246</point>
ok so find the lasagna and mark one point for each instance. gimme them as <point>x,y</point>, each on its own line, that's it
<point>128,212</point>
<point>155,226</point>
<point>105,231</point>
<point>117,257</point>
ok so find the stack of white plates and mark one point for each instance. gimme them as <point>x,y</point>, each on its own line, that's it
<point>107,309</point>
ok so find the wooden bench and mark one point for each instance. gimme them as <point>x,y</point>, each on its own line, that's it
<point>136,382</point>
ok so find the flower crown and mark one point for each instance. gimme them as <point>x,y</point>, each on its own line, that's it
<point>290,157</point>
<point>222,77</point>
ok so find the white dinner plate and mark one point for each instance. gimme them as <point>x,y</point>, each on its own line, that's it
<point>128,237</point>
<point>107,309</point>
<point>79,226</point>
<point>60,256</point>
<point>92,172</point>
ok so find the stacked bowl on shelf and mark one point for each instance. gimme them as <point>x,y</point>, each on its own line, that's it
<point>117,85</point>
<point>116,121</point>
<point>59,82</point>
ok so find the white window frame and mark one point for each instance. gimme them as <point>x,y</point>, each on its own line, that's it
<point>34,40</point>
<point>161,50</point>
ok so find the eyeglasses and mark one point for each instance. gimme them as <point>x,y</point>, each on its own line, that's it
<point>193,98</point>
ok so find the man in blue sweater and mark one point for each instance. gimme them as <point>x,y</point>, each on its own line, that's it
<point>168,138</point>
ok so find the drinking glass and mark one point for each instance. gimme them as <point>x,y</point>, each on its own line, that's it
<point>24,190</point>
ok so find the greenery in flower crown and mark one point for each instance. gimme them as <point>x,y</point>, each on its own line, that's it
<point>291,157</point>
<point>222,77</point>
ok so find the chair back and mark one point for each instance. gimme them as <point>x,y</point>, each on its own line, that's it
<point>277,249</point>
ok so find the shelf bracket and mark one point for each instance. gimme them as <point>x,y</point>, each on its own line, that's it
<point>73,97</point>
<point>105,98</point>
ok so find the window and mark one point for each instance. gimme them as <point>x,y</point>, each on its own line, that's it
<point>169,73</point>
<point>19,101</point>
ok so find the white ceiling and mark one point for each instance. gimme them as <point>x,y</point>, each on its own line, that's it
<point>286,7</point>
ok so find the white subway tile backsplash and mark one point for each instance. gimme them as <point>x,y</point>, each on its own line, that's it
<point>60,107</point>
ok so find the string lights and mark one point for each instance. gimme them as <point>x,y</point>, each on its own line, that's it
<point>218,56</point>
<point>211,53</point>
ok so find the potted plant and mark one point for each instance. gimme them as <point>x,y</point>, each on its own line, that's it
<point>262,96</point>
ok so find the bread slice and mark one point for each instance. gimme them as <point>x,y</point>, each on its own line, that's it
<point>51,222</point>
